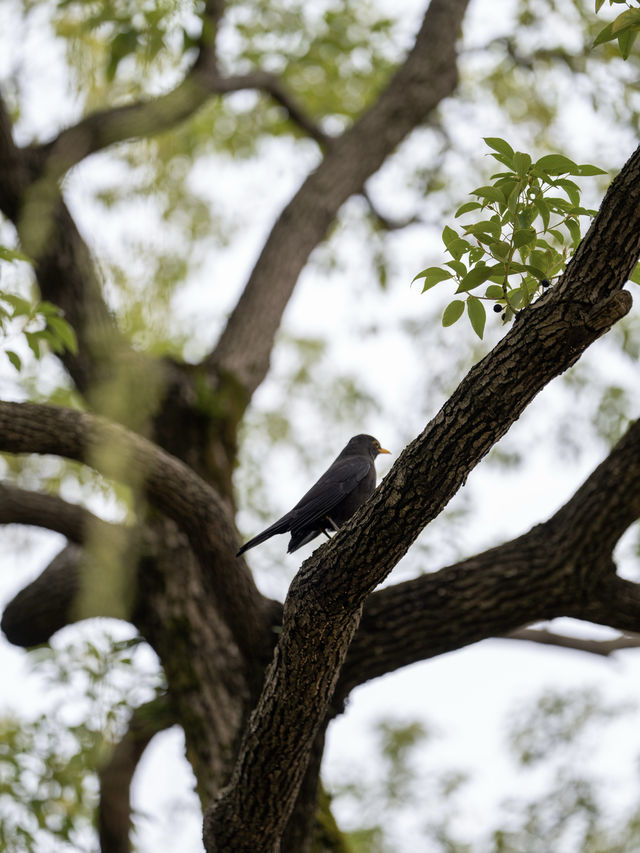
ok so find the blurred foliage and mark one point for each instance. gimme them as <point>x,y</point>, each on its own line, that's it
<point>38,323</point>
<point>48,762</point>
<point>411,802</point>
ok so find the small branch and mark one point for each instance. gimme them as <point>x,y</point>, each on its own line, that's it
<point>594,647</point>
<point>114,809</point>
<point>384,221</point>
<point>148,117</point>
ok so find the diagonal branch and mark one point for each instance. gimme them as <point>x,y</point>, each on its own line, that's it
<point>427,77</point>
<point>324,604</point>
<point>556,569</point>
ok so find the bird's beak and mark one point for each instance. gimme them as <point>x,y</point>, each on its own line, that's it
<point>382,450</point>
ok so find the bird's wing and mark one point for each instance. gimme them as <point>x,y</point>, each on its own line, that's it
<point>337,482</point>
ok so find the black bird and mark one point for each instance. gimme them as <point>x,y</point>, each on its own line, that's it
<point>343,487</point>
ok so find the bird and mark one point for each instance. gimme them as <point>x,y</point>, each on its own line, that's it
<point>344,486</point>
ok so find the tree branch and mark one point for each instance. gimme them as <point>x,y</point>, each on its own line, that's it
<point>170,485</point>
<point>114,809</point>
<point>427,77</point>
<point>617,604</point>
<point>594,647</point>
<point>46,604</point>
<point>556,569</point>
<point>21,506</point>
<point>324,603</point>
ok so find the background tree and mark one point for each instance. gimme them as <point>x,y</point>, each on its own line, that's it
<point>149,406</point>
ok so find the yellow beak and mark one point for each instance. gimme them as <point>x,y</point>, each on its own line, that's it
<point>382,450</point>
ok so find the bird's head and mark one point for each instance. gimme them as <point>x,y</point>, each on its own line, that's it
<point>363,444</point>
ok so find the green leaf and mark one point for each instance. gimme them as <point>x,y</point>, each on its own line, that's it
<point>13,255</point>
<point>449,235</point>
<point>516,298</point>
<point>626,20</point>
<point>452,312</point>
<point>494,291</point>
<point>506,161</point>
<point>478,275</point>
<point>635,275</point>
<point>557,164</point>
<point>14,358</point>
<point>599,4</point>
<point>537,272</point>
<point>492,194</point>
<point>586,169</point>
<point>458,267</point>
<point>523,237</point>
<point>21,307</point>
<point>465,208</point>
<point>574,229</point>
<point>33,340</point>
<point>48,309</point>
<point>543,209</point>
<point>571,188</point>
<point>521,163</point>
<point>477,315</point>
<point>63,332</point>
<point>458,248</point>
<point>499,249</point>
<point>500,145</point>
<point>605,34</point>
<point>625,42</point>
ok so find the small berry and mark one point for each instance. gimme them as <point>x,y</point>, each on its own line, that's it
<point>504,316</point>
<point>497,308</point>
<point>545,282</point>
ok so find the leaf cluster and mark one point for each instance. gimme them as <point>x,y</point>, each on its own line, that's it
<point>40,322</point>
<point>530,225</point>
<point>624,28</point>
<point>48,764</point>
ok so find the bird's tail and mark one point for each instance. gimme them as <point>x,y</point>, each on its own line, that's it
<point>280,526</point>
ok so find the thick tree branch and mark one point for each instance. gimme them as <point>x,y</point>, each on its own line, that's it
<point>21,506</point>
<point>427,77</point>
<point>556,569</point>
<point>324,603</point>
<point>170,486</point>
<point>617,604</point>
<point>114,810</point>
<point>46,604</point>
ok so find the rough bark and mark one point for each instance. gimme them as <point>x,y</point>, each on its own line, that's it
<point>323,606</point>
<point>558,568</point>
